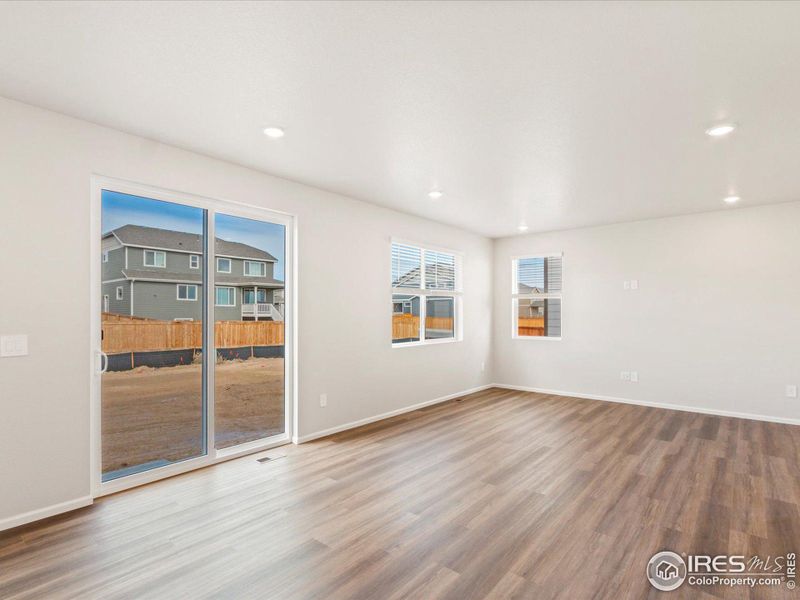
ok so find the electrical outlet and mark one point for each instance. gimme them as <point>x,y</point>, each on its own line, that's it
<point>625,375</point>
<point>13,345</point>
<point>635,376</point>
<point>791,391</point>
<point>323,400</point>
<point>626,285</point>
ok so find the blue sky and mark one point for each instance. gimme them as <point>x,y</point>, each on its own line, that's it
<point>124,209</point>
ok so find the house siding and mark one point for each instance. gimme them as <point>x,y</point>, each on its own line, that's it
<point>116,263</point>
<point>156,300</point>
<point>178,262</point>
<point>119,307</point>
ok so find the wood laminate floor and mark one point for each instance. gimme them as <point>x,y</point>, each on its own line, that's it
<point>500,494</point>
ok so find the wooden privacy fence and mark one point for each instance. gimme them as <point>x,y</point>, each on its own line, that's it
<point>530,326</point>
<point>406,326</point>
<point>139,335</point>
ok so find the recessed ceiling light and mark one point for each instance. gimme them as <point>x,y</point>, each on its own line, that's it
<point>721,129</point>
<point>522,227</point>
<point>435,194</point>
<point>731,199</point>
<point>274,132</point>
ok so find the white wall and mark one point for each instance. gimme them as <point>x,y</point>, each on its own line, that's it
<point>46,161</point>
<point>715,323</point>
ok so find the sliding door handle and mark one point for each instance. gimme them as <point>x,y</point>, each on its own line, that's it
<point>103,362</point>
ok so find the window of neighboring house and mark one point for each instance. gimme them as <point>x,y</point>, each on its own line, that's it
<point>226,296</point>
<point>426,295</point>
<point>119,292</point>
<point>255,269</point>
<point>187,292</point>
<point>223,265</point>
<point>105,303</point>
<point>194,261</point>
<point>105,256</point>
<point>536,296</point>
<point>155,258</point>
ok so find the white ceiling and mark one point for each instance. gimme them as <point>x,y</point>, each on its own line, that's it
<point>558,114</point>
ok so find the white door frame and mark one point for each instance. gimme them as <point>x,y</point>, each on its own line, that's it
<point>212,206</point>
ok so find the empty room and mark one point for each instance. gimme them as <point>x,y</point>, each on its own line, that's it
<point>365,300</point>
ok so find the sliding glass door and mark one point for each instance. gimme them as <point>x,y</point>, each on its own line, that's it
<point>153,406</point>
<point>192,337</point>
<point>249,331</point>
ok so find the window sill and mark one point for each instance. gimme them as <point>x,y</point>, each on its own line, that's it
<point>536,337</point>
<point>426,343</point>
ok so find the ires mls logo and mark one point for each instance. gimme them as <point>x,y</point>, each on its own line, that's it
<point>666,571</point>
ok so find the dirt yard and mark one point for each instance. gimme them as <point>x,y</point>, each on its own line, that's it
<point>154,415</point>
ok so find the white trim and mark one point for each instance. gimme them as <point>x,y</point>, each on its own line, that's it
<point>119,293</point>
<point>187,286</point>
<point>230,287</point>
<point>392,413</point>
<point>230,263</point>
<point>106,303</point>
<point>43,513</point>
<point>423,293</point>
<point>256,262</point>
<point>178,468</point>
<point>155,256</point>
<point>664,405</point>
<point>516,297</point>
<point>213,206</point>
<point>115,280</point>
<point>198,257</point>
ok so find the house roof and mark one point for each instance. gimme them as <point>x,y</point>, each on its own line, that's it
<point>152,237</point>
<point>219,278</point>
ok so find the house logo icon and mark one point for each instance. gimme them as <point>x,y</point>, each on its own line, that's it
<point>666,571</point>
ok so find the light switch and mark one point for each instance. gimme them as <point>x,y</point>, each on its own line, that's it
<point>13,345</point>
<point>634,284</point>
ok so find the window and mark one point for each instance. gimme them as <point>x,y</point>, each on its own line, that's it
<point>105,256</point>
<point>194,261</point>
<point>255,269</point>
<point>226,296</point>
<point>187,292</point>
<point>119,292</point>
<point>536,296</point>
<point>223,265</point>
<point>155,258</point>
<point>426,295</point>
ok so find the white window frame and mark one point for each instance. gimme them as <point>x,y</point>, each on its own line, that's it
<point>213,455</point>
<point>156,253</point>
<point>229,287</point>
<point>255,262</point>
<point>120,294</point>
<point>178,287</point>
<point>230,264</point>
<point>516,297</point>
<point>423,294</point>
<point>194,261</point>
<point>105,256</point>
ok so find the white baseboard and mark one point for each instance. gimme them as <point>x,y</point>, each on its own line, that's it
<point>393,413</point>
<point>43,513</point>
<point>694,409</point>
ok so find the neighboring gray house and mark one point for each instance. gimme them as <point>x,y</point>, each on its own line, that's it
<point>157,273</point>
